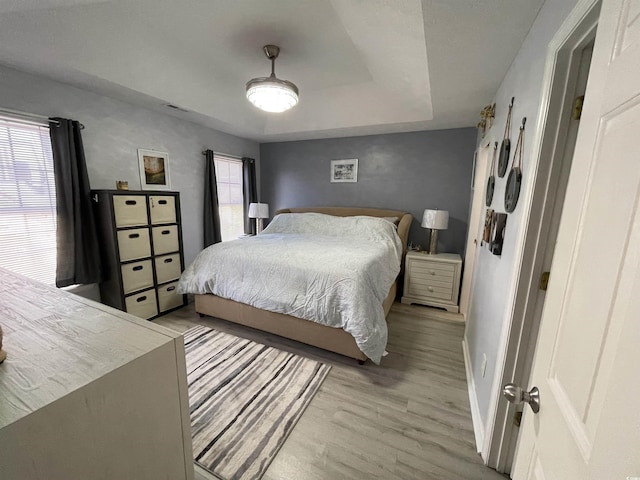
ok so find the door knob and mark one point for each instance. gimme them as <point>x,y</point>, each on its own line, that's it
<point>517,395</point>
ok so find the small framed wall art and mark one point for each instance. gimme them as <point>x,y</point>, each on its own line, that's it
<point>344,170</point>
<point>486,232</point>
<point>154,170</point>
<point>498,225</point>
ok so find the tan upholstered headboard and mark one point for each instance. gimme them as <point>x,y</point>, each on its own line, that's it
<point>403,224</point>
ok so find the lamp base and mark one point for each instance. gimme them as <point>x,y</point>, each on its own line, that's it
<point>433,243</point>
<point>259,225</point>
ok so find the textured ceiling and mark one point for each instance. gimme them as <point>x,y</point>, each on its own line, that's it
<point>362,66</point>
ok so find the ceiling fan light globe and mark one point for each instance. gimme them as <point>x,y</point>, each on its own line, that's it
<point>272,95</point>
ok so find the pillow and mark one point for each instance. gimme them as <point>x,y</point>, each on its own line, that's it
<point>311,223</point>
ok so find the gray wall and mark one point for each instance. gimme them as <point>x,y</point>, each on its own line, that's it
<point>403,171</point>
<point>491,305</point>
<point>115,130</point>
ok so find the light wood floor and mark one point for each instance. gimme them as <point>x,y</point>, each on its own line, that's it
<point>408,418</point>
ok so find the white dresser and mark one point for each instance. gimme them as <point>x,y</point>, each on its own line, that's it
<point>141,249</point>
<point>432,280</point>
<point>87,391</point>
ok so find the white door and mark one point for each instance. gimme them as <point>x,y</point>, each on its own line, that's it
<point>587,363</point>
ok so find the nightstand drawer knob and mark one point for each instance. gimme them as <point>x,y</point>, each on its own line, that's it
<point>432,272</point>
<point>430,289</point>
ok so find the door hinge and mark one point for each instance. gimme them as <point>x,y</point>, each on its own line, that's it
<point>577,107</point>
<point>517,419</point>
<point>544,281</point>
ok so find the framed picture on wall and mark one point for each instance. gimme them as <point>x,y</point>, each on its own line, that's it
<point>488,222</point>
<point>498,226</point>
<point>154,170</point>
<point>344,170</point>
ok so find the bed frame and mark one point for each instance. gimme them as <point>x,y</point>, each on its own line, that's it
<point>328,338</point>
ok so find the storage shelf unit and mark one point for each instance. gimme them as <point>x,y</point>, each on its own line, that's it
<point>432,280</point>
<point>141,248</point>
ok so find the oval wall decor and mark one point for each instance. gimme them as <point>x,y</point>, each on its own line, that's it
<point>505,148</point>
<point>491,181</point>
<point>514,181</point>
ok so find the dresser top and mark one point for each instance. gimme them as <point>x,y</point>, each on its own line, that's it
<point>135,192</point>
<point>58,342</point>
<point>442,257</point>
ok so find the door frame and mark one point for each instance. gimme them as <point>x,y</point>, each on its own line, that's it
<point>481,164</point>
<point>514,359</point>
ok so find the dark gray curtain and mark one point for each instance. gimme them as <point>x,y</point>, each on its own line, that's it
<point>249,192</point>
<point>212,232</point>
<point>78,254</point>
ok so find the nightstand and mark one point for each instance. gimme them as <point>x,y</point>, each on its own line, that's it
<point>432,280</point>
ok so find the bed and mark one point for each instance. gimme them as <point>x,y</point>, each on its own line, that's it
<point>353,337</point>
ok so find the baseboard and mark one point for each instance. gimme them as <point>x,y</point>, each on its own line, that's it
<point>478,426</point>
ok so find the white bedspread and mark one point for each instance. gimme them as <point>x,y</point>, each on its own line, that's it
<point>336,271</point>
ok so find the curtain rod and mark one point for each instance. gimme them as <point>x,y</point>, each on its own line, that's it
<point>204,152</point>
<point>32,116</point>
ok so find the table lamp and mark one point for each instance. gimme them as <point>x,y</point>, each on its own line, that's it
<point>258,211</point>
<point>435,220</point>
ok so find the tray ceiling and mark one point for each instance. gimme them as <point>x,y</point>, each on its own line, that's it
<point>362,66</point>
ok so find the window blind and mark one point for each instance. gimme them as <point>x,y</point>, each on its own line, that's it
<point>27,201</point>
<point>230,205</point>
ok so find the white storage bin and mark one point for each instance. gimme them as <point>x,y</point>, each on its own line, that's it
<point>165,239</point>
<point>130,210</point>
<point>162,208</point>
<point>133,244</point>
<point>142,304</point>
<point>136,276</point>
<point>168,267</point>
<point>168,297</point>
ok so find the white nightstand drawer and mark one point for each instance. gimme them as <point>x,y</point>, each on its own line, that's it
<point>168,267</point>
<point>130,210</point>
<point>442,282</point>
<point>163,209</point>
<point>142,304</point>
<point>168,296</point>
<point>430,291</point>
<point>136,276</point>
<point>433,269</point>
<point>165,239</point>
<point>133,244</point>
<point>435,275</point>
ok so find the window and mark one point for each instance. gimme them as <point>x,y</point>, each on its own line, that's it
<point>27,201</point>
<point>230,199</point>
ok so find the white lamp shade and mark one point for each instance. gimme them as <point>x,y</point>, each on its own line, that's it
<point>435,219</point>
<point>258,210</point>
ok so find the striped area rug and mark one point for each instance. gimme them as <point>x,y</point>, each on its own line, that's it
<point>244,398</point>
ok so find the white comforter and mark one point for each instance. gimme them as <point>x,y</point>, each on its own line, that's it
<point>336,271</point>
